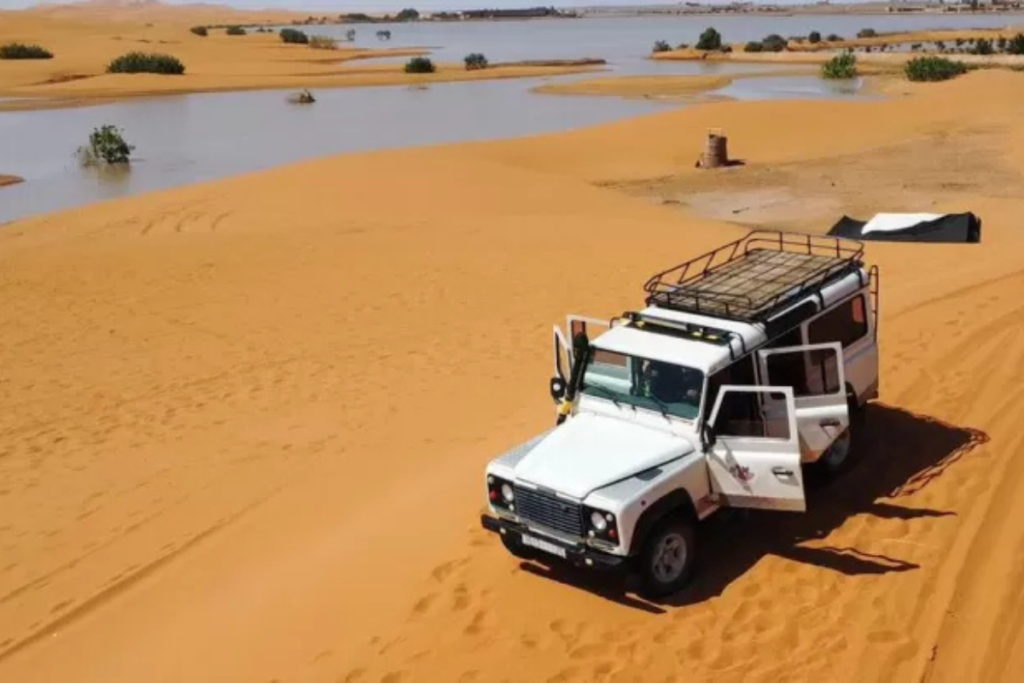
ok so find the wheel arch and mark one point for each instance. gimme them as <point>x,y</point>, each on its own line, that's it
<point>675,502</point>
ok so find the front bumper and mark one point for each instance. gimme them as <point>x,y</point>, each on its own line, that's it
<point>579,556</point>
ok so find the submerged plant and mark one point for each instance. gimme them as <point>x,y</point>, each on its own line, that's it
<point>106,145</point>
<point>475,61</point>
<point>841,66</point>
<point>933,69</point>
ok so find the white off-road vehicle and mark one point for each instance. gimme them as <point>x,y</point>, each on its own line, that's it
<point>747,364</point>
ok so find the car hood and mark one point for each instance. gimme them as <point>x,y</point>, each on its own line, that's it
<point>588,452</point>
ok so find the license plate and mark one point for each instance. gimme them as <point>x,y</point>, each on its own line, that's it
<point>544,545</point>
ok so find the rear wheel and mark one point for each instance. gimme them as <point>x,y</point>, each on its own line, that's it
<point>666,561</point>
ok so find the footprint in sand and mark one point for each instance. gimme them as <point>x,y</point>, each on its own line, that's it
<point>587,651</point>
<point>422,605</point>
<point>461,598</point>
<point>476,626</point>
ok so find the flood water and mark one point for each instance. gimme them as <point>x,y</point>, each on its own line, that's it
<point>193,138</point>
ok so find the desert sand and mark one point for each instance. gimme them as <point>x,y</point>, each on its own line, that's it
<point>84,40</point>
<point>243,424</point>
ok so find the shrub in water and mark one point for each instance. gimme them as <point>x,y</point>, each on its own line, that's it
<point>983,47</point>
<point>661,46</point>
<point>1015,46</point>
<point>933,69</point>
<point>21,51</point>
<point>753,46</point>
<point>841,66</point>
<point>813,37</point>
<point>141,62</point>
<point>293,35</point>
<point>322,43</point>
<point>235,31</point>
<point>709,40</point>
<point>867,33</point>
<point>774,43</point>
<point>475,61</point>
<point>200,31</point>
<point>106,145</point>
<point>419,65</point>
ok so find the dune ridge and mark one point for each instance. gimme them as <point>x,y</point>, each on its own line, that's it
<point>243,423</point>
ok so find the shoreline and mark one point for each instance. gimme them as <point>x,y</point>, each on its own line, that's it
<point>6,180</point>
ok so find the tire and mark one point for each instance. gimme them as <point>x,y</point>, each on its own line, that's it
<point>836,457</point>
<point>516,548</point>
<point>666,561</point>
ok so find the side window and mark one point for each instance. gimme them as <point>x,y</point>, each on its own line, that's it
<point>846,324</point>
<point>739,415</point>
<point>810,373</point>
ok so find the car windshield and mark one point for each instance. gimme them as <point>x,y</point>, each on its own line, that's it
<point>666,388</point>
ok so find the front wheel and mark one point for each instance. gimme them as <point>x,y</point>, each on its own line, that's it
<point>667,558</point>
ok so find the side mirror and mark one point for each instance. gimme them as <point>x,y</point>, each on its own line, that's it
<point>557,388</point>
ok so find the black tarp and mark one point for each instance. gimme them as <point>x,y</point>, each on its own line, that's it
<point>953,227</point>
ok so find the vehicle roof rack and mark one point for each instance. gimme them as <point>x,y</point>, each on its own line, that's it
<point>755,276</point>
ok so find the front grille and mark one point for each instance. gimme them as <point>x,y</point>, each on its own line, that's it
<point>548,510</point>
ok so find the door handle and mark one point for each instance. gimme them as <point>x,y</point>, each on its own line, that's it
<point>782,472</point>
<point>829,422</point>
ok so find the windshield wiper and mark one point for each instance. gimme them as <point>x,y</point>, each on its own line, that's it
<point>610,395</point>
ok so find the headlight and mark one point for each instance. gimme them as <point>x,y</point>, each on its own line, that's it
<point>507,493</point>
<point>602,526</point>
<point>598,521</point>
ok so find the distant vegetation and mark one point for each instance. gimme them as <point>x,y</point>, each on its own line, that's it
<point>408,14</point>
<point>841,66</point>
<point>22,51</point>
<point>983,47</point>
<point>710,39</point>
<point>294,35</point>
<point>833,37</point>
<point>419,65</point>
<point>1015,46</point>
<point>200,31</point>
<point>813,37</point>
<point>933,69</point>
<point>323,43</point>
<point>475,61</point>
<point>774,43</point>
<point>661,46</point>
<point>141,62</point>
<point>106,145</point>
<point>235,31</point>
<point>753,46</point>
<point>867,33</point>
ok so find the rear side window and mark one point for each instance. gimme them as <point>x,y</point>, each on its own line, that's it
<point>846,323</point>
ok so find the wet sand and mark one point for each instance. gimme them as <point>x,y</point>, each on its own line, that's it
<point>243,424</point>
<point>656,86</point>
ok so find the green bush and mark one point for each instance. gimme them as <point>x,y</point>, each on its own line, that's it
<point>867,33</point>
<point>323,43</point>
<point>200,31</point>
<point>813,37</point>
<point>419,65</point>
<point>774,43</point>
<point>295,36</point>
<point>841,66</point>
<point>408,14</point>
<point>933,69</point>
<point>709,40</point>
<point>106,145</point>
<point>1015,46</point>
<point>661,46</point>
<point>833,37</point>
<point>983,47</point>
<point>146,63</point>
<point>22,51</point>
<point>753,46</point>
<point>235,31</point>
<point>683,46</point>
<point>475,61</point>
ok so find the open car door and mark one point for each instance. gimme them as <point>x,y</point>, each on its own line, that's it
<point>754,461</point>
<point>817,375</point>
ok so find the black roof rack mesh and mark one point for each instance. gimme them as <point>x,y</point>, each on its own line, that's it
<point>755,276</point>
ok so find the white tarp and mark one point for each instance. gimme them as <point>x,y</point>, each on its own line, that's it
<point>890,222</point>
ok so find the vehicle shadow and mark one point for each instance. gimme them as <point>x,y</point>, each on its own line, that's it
<point>896,454</point>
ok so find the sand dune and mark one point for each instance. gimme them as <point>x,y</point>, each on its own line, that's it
<point>243,424</point>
